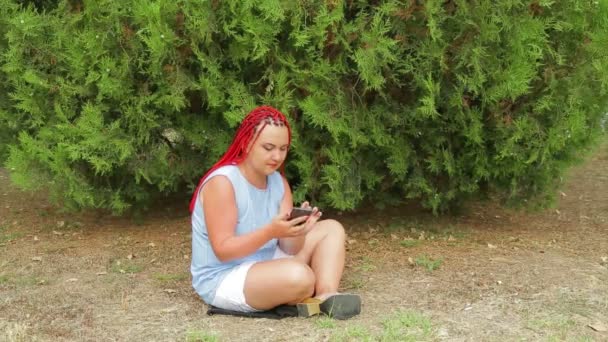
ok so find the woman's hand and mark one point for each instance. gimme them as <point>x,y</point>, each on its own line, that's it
<point>282,227</point>
<point>311,219</point>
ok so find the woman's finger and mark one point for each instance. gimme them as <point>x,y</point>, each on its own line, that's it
<point>298,230</point>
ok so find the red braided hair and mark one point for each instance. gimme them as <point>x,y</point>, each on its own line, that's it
<point>247,133</point>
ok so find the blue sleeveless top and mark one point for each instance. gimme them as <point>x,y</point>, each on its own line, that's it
<point>256,207</point>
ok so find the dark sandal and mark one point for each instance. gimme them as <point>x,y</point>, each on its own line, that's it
<point>338,306</point>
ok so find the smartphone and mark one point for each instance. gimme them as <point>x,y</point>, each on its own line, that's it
<point>297,212</point>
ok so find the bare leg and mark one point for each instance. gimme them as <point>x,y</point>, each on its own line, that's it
<point>275,282</point>
<point>324,251</point>
<point>291,280</point>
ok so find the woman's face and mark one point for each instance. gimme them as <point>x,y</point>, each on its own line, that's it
<point>269,150</point>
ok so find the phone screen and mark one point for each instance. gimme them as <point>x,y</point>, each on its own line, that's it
<point>297,212</point>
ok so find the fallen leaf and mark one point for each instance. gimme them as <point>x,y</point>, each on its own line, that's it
<point>451,238</point>
<point>394,237</point>
<point>41,282</point>
<point>491,246</point>
<point>351,241</point>
<point>37,258</point>
<point>598,326</point>
<point>57,233</point>
<point>36,238</point>
<point>151,244</point>
<point>101,273</point>
<point>170,290</point>
<point>410,261</point>
<point>71,280</point>
<point>130,256</point>
<point>562,193</point>
<point>169,310</point>
<point>60,224</point>
<point>557,211</point>
<point>186,256</point>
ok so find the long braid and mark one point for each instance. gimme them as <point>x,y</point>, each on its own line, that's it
<point>250,128</point>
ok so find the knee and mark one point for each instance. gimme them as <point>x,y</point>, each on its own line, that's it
<point>301,278</point>
<point>335,229</point>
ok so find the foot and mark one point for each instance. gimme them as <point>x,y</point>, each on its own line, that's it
<point>340,305</point>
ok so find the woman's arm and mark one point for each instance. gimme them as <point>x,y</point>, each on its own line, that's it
<point>221,215</point>
<point>291,245</point>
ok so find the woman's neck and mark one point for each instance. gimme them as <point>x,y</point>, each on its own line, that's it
<point>254,178</point>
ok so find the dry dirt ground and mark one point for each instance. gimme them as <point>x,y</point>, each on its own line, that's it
<point>489,274</point>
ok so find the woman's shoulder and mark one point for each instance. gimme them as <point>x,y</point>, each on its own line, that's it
<point>228,171</point>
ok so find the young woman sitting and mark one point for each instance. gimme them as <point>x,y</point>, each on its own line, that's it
<point>247,255</point>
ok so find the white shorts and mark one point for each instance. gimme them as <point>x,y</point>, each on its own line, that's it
<point>230,294</point>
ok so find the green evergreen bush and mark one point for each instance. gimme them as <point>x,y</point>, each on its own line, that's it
<point>113,104</point>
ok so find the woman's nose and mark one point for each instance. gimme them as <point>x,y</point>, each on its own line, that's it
<point>277,155</point>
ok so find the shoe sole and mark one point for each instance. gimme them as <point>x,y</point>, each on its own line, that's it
<point>340,306</point>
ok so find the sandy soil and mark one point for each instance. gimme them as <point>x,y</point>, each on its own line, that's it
<point>497,274</point>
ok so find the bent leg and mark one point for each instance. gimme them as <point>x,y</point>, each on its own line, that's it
<point>324,251</point>
<point>275,282</point>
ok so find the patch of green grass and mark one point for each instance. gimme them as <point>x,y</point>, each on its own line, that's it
<point>450,232</point>
<point>355,282</point>
<point>406,326</point>
<point>125,266</point>
<point>10,237</point>
<point>366,264</point>
<point>353,333</point>
<point>585,339</point>
<point>200,336</point>
<point>409,243</point>
<point>170,277</point>
<point>373,242</point>
<point>428,263</point>
<point>557,326</point>
<point>402,326</point>
<point>324,322</point>
<point>29,281</point>
<point>396,226</point>
<point>20,281</point>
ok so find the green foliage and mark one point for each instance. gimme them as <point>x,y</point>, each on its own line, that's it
<point>115,105</point>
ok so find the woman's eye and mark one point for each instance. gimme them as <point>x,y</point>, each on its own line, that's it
<point>268,148</point>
